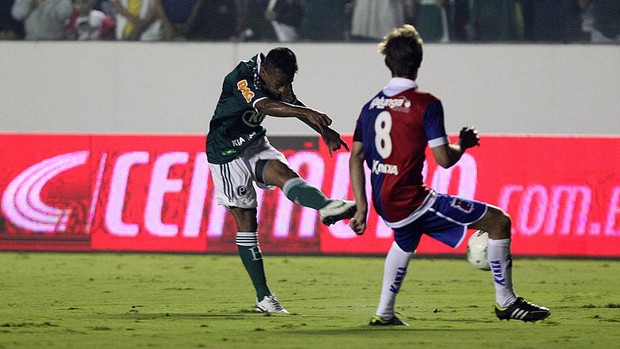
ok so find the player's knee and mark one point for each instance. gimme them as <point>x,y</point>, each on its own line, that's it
<point>277,173</point>
<point>503,223</point>
<point>500,222</point>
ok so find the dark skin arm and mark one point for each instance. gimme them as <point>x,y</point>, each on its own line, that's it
<point>331,138</point>
<point>283,110</point>
<point>291,107</point>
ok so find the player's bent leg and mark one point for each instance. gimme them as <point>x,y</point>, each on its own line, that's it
<point>495,222</point>
<point>274,172</point>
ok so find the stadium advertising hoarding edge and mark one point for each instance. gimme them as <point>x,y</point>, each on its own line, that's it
<point>154,193</point>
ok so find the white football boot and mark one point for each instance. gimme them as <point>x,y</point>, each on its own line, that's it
<point>270,304</point>
<point>337,210</point>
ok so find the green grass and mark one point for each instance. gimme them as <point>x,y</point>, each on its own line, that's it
<point>205,301</point>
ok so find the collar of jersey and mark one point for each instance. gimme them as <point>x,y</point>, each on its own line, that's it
<point>397,85</point>
<point>259,62</point>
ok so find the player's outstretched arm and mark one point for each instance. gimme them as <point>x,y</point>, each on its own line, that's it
<point>358,182</point>
<point>318,120</point>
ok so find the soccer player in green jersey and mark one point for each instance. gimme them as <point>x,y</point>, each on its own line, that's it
<point>240,154</point>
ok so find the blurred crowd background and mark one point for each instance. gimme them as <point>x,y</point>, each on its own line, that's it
<point>549,21</point>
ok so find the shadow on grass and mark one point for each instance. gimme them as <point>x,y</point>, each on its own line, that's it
<point>239,315</point>
<point>368,330</point>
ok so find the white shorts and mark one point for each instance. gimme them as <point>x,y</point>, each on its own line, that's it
<point>234,180</point>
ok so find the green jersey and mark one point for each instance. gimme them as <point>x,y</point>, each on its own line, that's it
<point>236,124</point>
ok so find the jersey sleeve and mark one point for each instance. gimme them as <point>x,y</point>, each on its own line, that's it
<point>358,133</point>
<point>434,124</point>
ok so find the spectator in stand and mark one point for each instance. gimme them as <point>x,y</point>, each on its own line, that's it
<point>441,20</point>
<point>106,7</point>
<point>373,19</point>
<point>10,29</point>
<point>222,19</point>
<point>605,28</point>
<point>459,20</point>
<point>324,20</point>
<point>87,23</point>
<point>431,20</point>
<point>494,20</point>
<point>136,20</point>
<point>43,19</point>
<point>285,17</point>
<point>546,20</point>
<point>179,19</point>
<point>575,24</point>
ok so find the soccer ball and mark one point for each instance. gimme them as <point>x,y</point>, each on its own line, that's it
<point>477,250</point>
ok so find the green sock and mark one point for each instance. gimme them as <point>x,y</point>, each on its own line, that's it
<point>252,258</point>
<point>300,192</point>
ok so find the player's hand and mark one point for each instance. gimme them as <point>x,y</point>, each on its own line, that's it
<point>333,140</point>
<point>358,223</point>
<point>469,137</point>
<point>320,120</point>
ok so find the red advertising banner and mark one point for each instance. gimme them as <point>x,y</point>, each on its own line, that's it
<point>154,193</point>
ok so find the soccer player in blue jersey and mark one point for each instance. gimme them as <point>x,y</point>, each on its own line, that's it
<point>391,135</point>
<point>239,155</point>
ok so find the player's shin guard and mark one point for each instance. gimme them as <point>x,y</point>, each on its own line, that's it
<point>501,268</point>
<point>394,273</point>
<point>300,192</point>
<point>252,258</point>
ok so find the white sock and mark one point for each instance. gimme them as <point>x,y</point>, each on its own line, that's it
<point>394,272</point>
<point>501,268</point>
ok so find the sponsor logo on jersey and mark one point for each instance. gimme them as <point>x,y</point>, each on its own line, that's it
<point>237,142</point>
<point>253,118</point>
<point>378,168</point>
<point>245,90</point>
<point>392,103</point>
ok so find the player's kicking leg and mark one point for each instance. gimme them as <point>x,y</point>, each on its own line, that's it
<point>278,173</point>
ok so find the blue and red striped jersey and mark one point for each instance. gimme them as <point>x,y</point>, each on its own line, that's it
<point>395,127</point>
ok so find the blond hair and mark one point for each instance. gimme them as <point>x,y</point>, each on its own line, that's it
<point>403,51</point>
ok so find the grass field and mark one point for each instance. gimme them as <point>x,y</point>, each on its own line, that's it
<point>80,300</point>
